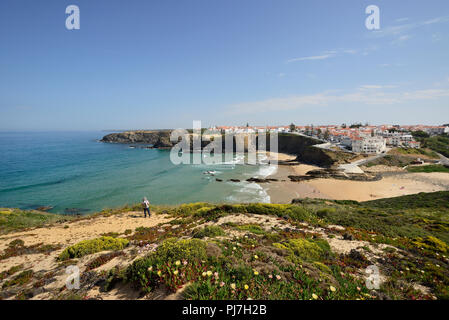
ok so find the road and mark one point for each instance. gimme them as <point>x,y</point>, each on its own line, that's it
<point>353,167</point>
<point>443,160</point>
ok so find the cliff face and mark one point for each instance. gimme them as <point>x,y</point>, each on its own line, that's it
<point>156,138</point>
<point>300,146</point>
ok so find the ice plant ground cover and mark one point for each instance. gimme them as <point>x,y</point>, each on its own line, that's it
<point>312,249</point>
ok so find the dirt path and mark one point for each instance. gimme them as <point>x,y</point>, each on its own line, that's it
<point>73,232</point>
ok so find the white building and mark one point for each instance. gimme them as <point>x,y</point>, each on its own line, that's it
<point>437,130</point>
<point>402,140</point>
<point>369,145</point>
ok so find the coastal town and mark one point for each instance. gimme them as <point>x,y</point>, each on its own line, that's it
<point>357,138</point>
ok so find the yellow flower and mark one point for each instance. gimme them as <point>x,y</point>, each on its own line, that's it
<point>209,273</point>
<point>159,272</point>
<point>246,287</point>
<point>333,289</point>
<point>314,296</point>
<point>175,272</point>
<point>178,263</point>
<point>204,274</point>
<point>256,257</point>
<point>256,273</point>
<point>232,285</point>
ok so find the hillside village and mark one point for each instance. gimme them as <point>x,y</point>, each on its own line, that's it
<point>358,138</point>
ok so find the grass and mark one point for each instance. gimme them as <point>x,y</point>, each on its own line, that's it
<point>436,201</point>
<point>392,160</point>
<point>283,265</point>
<point>438,144</point>
<point>416,152</point>
<point>428,168</point>
<point>16,219</point>
<point>294,262</point>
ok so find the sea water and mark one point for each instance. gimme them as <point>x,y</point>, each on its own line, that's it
<point>75,173</point>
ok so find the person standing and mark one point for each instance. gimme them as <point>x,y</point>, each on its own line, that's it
<point>146,207</point>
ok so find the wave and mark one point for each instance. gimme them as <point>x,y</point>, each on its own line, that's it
<point>249,192</point>
<point>265,171</point>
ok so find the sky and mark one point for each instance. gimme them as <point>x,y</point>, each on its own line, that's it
<point>163,63</point>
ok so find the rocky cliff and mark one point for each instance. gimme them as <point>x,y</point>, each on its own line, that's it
<point>300,146</point>
<point>157,139</point>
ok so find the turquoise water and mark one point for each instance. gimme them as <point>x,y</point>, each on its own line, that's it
<point>69,170</point>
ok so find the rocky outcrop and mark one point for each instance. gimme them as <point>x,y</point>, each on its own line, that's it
<point>335,174</point>
<point>261,180</point>
<point>155,138</point>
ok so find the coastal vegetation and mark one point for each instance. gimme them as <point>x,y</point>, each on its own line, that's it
<point>310,249</point>
<point>92,246</point>
<point>439,143</point>
<point>16,219</point>
<point>429,168</point>
<point>419,152</point>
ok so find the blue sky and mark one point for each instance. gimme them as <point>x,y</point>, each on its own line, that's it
<point>164,63</point>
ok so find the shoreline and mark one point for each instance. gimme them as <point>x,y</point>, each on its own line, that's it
<point>391,185</point>
<point>284,191</point>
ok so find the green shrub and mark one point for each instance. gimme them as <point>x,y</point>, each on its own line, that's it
<point>428,168</point>
<point>192,208</point>
<point>322,213</point>
<point>431,243</point>
<point>158,267</point>
<point>208,231</point>
<point>305,249</point>
<point>92,246</point>
<point>253,228</point>
<point>173,249</point>
<point>294,212</point>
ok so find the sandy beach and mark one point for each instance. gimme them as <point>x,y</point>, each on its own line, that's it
<point>393,184</point>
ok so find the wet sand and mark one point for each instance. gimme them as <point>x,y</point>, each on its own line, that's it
<point>284,190</point>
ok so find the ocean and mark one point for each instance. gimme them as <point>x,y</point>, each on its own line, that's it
<point>75,173</point>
